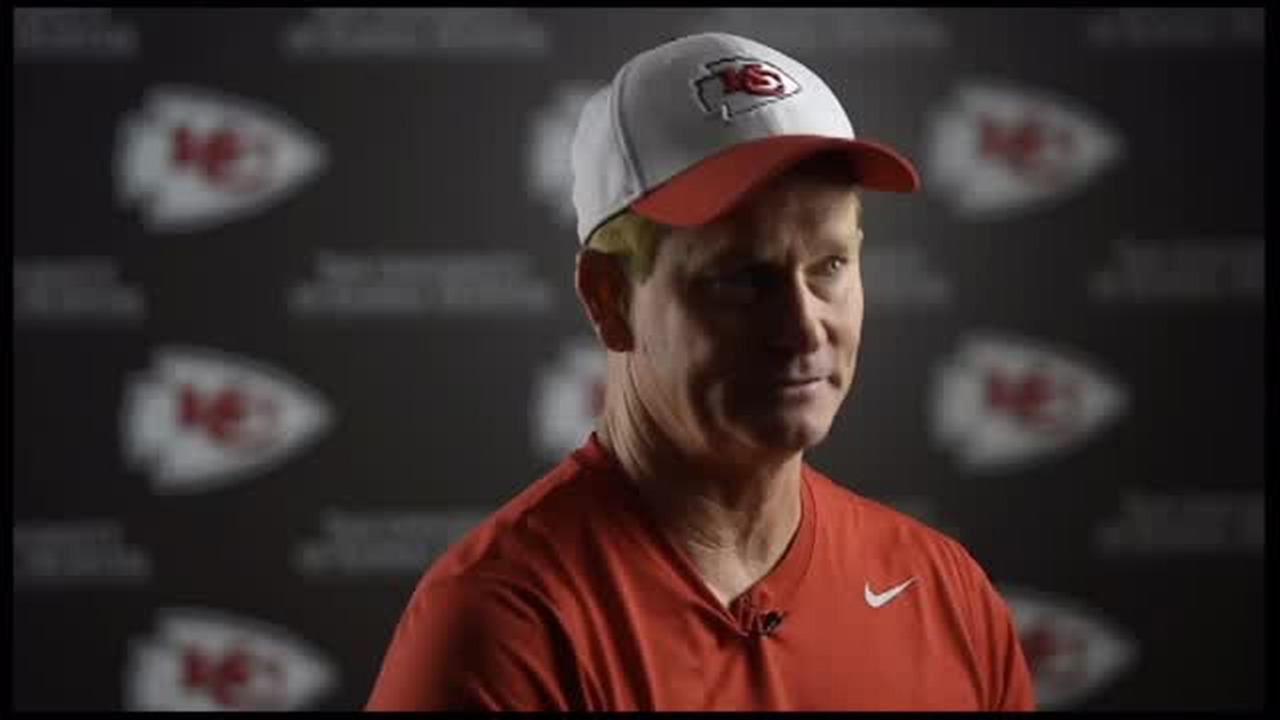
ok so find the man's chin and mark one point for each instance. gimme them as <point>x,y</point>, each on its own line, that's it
<point>793,435</point>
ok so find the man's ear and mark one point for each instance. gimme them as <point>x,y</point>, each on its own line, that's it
<point>604,289</point>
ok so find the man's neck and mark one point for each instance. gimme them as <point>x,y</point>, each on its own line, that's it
<point>734,517</point>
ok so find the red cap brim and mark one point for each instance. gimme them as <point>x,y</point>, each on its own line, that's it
<point>714,186</point>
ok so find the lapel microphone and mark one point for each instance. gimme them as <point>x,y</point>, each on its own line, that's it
<point>769,623</point>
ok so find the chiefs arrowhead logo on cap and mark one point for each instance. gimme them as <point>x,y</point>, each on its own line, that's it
<point>737,85</point>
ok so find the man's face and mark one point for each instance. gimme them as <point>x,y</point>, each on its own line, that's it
<point>747,332</point>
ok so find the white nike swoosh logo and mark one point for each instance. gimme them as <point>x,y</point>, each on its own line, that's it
<point>875,599</point>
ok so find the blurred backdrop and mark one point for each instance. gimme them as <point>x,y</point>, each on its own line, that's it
<point>293,308</point>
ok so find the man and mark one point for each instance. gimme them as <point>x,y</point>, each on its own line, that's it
<point>685,557</point>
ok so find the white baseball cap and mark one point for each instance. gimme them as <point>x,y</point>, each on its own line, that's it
<point>687,129</point>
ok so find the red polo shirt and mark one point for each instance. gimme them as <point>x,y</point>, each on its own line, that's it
<point>569,597</point>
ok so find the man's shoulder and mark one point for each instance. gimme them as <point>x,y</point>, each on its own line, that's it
<point>891,539</point>
<point>531,539</point>
<point>876,522</point>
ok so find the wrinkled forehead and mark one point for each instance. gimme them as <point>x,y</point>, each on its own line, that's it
<point>805,214</point>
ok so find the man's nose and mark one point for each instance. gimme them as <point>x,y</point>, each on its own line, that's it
<point>797,323</point>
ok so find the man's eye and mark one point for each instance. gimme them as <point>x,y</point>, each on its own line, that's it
<point>746,277</point>
<point>743,282</point>
<point>833,265</point>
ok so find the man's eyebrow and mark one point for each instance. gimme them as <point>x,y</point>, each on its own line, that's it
<point>719,253</point>
<point>838,241</point>
<point>711,252</point>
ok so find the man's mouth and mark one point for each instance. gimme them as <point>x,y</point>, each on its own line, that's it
<point>801,382</point>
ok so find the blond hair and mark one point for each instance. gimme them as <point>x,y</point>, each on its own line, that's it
<point>632,239</point>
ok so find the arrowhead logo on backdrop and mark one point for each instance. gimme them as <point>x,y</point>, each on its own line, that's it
<point>192,159</point>
<point>1000,401</point>
<point>202,660</point>
<point>567,399</point>
<point>549,169</point>
<point>993,149</point>
<point>1072,652</point>
<point>201,419</point>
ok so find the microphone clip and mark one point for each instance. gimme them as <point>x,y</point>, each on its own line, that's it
<point>769,622</point>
